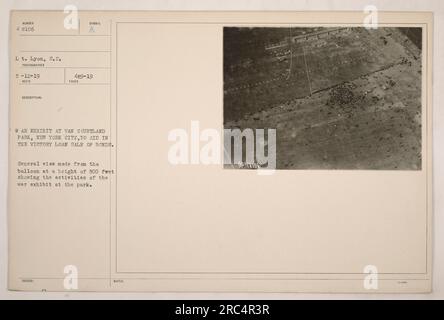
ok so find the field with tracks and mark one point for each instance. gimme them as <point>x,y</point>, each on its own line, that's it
<point>339,98</point>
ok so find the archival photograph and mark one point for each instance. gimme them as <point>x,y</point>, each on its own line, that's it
<point>338,98</point>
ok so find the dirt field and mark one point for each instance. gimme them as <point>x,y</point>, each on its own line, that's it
<point>339,98</point>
